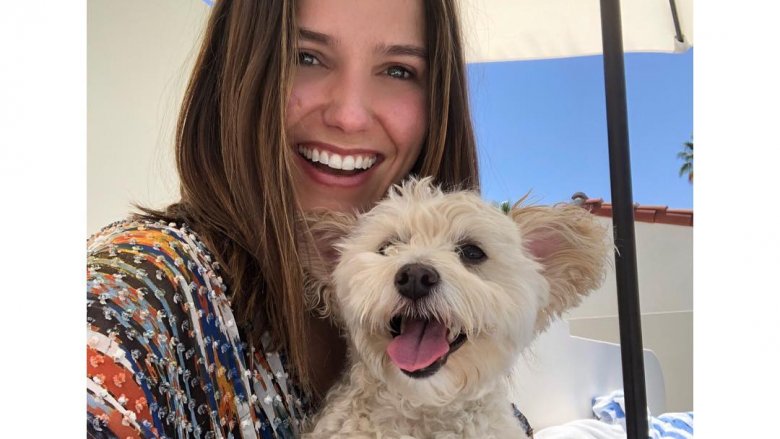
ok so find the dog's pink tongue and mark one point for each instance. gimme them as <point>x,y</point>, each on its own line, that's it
<point>420,344</point>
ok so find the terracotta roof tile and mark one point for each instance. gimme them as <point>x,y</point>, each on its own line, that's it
<point>649,214</point>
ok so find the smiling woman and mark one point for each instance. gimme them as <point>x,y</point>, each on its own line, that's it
<point>358,98</point>
<point>197,319</point>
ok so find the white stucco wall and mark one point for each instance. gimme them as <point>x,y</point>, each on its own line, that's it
<point>665,273</point>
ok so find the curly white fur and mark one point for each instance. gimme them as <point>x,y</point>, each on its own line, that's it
<point>540,260</point>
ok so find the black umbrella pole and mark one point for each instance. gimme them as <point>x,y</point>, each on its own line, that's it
<point>623,221</point>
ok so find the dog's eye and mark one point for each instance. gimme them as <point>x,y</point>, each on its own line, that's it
<point>471,254</point>
<point>383,248</point>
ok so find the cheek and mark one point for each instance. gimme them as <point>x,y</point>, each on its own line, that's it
<point>295,108</point>
<point>304,97</point>
<point>406,119</point>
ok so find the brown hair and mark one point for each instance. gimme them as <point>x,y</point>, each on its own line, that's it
<point>450,153</point>
<point>234,165</point>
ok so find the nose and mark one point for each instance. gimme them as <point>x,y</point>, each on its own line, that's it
<point>348,108</point>
<point>416,281</point>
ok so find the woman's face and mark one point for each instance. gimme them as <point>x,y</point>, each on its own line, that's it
<point>357,114</point>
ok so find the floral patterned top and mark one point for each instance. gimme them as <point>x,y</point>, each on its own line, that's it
<point>165,357</point>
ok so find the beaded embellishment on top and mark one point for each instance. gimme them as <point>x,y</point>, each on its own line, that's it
<point>165,357</point>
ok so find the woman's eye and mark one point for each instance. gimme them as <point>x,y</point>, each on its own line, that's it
<point>471,254</point>
<point>399,72</point>
<point>307,59</point>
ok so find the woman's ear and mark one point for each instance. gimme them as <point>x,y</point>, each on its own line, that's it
<point>572,247</point>
<point>319,233</point>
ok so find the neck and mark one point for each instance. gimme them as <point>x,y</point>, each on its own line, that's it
<point>328,351</point>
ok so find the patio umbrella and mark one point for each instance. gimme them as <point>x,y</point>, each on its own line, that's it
<point>511,30</point>
<point>514,30</point>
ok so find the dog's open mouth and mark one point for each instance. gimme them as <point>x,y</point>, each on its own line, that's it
<point>420,347</point>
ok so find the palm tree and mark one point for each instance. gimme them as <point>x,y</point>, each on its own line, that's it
<point>687,157</point>
<point>504,206</point>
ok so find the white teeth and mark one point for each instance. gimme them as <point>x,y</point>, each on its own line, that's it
<point>337,161</point>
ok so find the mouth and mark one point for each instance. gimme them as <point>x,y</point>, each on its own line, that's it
<point>333,163</point>
<point>420,347</point>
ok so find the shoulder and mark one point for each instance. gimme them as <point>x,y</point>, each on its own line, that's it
<point>154,249</point>
<point>142,236</point>
<point>156,313</point>
<point>156,268</point>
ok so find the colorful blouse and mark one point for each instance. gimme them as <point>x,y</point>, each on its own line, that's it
<point>165,357</point>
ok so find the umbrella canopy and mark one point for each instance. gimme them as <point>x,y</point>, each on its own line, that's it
<point>513,30</point>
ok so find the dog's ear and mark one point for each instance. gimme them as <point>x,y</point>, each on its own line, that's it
<point>571,245</point>
<point>318,233</point>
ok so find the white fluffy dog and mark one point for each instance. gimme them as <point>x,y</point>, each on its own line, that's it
<point>439,294</point>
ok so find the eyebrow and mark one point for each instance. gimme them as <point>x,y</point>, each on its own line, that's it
<point>317,37</point>
<point>403,50</point>
<point>395,49</point>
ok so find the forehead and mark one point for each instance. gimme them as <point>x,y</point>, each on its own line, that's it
<point>365,22</point>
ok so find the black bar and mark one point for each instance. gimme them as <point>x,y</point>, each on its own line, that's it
<point>677,31</point>
<point>623,221</point>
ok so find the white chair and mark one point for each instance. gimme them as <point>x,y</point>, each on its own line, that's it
<point>559,375</point>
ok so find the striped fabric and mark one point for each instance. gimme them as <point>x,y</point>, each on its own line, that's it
<point>611,409</point>
<point>165,357</point>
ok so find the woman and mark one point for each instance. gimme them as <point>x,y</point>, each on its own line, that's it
<point>197,320</point>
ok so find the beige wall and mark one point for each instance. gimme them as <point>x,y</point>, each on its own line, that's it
<point>139,54</point>
<point>665,270</point>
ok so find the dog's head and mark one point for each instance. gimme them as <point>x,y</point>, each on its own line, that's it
<point>440,292</point>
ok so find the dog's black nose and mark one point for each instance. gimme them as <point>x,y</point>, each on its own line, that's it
<point>415,281</point>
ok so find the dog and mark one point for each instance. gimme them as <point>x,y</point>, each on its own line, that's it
<point>439,293</point>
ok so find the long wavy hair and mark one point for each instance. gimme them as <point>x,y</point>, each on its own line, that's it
<point>234,161</point>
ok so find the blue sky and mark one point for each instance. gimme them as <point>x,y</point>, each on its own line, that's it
<point>541,126</point>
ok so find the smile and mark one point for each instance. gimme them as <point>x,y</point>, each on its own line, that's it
<point>420,347</point>
<point>349,163</point>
